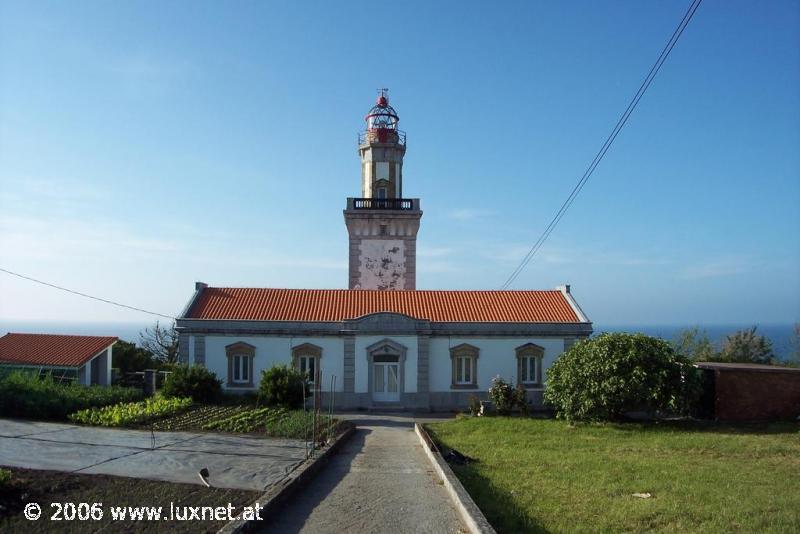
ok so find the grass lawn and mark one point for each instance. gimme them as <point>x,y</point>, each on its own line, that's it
<point>45,487</point>
<point>537,475</point>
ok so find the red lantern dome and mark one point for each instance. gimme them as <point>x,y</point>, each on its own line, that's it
<point>382,122</point>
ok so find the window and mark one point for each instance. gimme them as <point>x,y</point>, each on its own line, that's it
<point>382,192</point>
<point>241,369</point>
<point>529,363</point>
<point>464,370</point>
<point>240,364</point>
<point>308,365</point>
<point>306,358</point>
<point>528,370</point>
<point>464,358</point>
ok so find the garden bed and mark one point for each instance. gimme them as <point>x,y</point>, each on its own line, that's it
<point>263,421</point>
<point>46,487</point>
<point>545,475</point>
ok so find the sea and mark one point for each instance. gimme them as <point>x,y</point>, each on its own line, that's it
<point>781,335</point>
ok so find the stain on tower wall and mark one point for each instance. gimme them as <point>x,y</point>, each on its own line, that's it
<point>382,264</point>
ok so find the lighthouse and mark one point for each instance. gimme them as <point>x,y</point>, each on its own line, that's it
<point>381,223</point>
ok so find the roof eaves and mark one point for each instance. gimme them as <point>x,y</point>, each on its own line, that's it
<point>566,292</point>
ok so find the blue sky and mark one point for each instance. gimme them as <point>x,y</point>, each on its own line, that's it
<point>146,145</point>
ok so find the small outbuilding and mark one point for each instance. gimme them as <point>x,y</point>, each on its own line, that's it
<point>750,392</point>
<point>83,359</point>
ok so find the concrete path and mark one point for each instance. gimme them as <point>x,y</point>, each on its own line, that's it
<point>237,462</point>
<point>381,481</point>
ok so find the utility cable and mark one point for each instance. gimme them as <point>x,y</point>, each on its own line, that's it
<point>687,17</point>
<point>48,284</point>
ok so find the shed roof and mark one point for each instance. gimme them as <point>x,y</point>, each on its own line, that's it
<point>51,349</point>
<point>755,367</point>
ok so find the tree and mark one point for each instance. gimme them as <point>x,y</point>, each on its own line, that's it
<point>745,346</point>
<point>161,342</point>
<point>127,357</point>
<point>694,345</point>
<point>607,376</point>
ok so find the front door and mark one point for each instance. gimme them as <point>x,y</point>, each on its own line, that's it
<point>385,382</point>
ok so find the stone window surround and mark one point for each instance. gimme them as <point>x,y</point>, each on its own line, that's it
<point>307,349</point>
<point>529,350</point>
<point>240,348</point>
<point>469,351</point>
<point>386,347</point>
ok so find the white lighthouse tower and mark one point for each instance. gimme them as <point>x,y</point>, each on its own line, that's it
<point>382,224</point>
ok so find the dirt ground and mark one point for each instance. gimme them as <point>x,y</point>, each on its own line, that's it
<point>46,487</point>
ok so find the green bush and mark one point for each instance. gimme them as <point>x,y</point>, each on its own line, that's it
<point>283,386</point>
<point>133,412</point>
<point>26,395</point>
<point>502,395</point>
<point>196,382</point>
<point>604,377</point>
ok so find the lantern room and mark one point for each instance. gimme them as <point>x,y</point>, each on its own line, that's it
<point>382,122</point>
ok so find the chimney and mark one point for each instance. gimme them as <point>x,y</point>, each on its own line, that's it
<point>564,289</point>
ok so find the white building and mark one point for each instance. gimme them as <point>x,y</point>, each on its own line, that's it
<point>386,343</point>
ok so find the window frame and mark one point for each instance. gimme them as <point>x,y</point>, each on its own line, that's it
<point>458,355</point>
<point>241,358</point>
<point>307,351</point>
<point>529,357</point>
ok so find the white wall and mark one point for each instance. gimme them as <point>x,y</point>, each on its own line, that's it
<point>361,378</point>
<point>497,357</point>
<point>277,350</point>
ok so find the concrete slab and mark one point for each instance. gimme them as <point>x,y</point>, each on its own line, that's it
<point>40,454</point>
<point>14,427</point>
<point>141,439</point>
<point>243,446</point>
<point>226,471</point>
<point>237,462</point>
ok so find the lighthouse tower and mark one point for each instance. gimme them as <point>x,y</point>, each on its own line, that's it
<point>382,224</point>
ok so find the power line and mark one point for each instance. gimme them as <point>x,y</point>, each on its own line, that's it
<point>85,295</point>
<point>687,17</point>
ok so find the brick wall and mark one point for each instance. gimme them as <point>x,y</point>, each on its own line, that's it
<point>756,395</point>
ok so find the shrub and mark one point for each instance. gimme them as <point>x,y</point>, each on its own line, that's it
<point>133,412</point>
<point>5,478</point>
<point>604,377</point>
<point>519,398</point>
<point>25,394</point>
<point>283,386</point>
<point>502,395</point>
<point>196,382</point>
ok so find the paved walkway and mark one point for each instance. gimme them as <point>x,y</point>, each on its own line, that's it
<point>381,481</point>
<point>238,462</point>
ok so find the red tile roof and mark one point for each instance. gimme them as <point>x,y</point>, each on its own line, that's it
<point>333,305</point>
<point>49,349</point>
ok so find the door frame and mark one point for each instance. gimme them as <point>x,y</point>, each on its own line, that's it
<point>387,347</point>
<point>385,370</point>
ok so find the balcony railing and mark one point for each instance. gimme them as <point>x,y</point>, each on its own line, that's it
<point>382,135</point>
<point>383,203</point>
